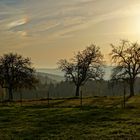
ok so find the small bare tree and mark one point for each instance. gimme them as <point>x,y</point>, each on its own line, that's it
<point>126,56</point>
<point>85,65</point>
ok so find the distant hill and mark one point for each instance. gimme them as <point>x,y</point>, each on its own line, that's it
<point>52,71</point>
<point>50,78</point>
<point>59,75</point>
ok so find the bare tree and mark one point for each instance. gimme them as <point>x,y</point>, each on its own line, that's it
<point>126,56</point>
<point>84,66</point>
<point>16,73</point>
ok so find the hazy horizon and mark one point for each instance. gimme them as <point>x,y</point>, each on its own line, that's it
<point>58,72</point>
<point>49,30</point>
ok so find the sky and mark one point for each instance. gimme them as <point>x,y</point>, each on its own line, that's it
<point>50,30</point>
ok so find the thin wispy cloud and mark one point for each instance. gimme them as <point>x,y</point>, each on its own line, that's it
<point>18,22</point>
<point>33,23</point>
<point>22,33</point>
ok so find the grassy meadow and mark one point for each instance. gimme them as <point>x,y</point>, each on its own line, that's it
<point>99,118</point>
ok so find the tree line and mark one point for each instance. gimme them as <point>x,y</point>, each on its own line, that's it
<point>88,64</point>
<point>16,72</point>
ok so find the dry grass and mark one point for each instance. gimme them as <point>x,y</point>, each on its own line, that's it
<point>100,118</point>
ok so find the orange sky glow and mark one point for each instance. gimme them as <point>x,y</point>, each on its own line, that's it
<point>48,30</point>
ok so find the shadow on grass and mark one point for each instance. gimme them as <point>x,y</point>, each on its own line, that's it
<point>58,122</point>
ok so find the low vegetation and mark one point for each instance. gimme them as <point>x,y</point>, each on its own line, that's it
<point>99,118</point>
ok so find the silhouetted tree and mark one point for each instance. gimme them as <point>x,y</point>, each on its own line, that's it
<point>126,56</point>
<point>85,65</point>
<point>16,73</point>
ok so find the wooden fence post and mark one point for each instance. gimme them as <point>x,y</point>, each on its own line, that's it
<point>48,98</point>
<point>81,100</point>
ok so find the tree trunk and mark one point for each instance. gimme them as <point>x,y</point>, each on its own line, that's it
<point>10,90</point>
<point>48,98</point>
<point>77,90</point>
<point>131,88</point>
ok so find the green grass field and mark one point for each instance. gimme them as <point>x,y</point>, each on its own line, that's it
<point>100,118</point>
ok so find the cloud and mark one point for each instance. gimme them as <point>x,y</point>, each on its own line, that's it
<point>18,22</point>
<point>43,27</point>
<point>49,21</point>
<point>22,33</point>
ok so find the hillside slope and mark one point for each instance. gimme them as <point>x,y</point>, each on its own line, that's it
<point>50,77</point>
<point>58,72</point>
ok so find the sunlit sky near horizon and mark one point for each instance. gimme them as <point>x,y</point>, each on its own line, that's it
<point>48,30</point>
